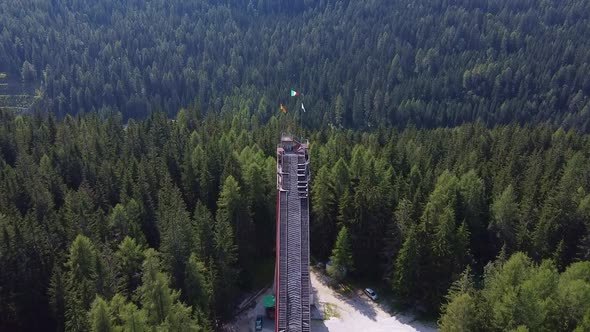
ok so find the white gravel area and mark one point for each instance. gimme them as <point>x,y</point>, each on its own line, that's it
<point>358,313</point>
<point>355,312</point>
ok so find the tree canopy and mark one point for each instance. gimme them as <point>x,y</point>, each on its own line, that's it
<point>360,64</point>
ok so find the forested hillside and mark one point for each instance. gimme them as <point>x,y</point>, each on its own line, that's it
<point>520,295</point>
<point>162,222</point>
<point>360,64</point>
<point>449,148</point>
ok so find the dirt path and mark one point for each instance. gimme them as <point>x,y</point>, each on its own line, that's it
<point>357,313</point>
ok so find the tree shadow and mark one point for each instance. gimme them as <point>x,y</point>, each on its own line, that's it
<point>318,326</point>
<point>354,298</point>
<point>361,303</point>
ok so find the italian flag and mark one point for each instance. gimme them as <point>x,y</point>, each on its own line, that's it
<point>294,93</point>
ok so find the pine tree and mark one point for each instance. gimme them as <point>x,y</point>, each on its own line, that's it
<point>203,231</point>
<point>201,164</point>
<point>100,319</point>
<point>397,230</point>
<point>224,246</point>
<point>232,210</point>
<point>406,275</point>
<point>339,111</point>
<point>198,289</point>
<point>460,315</point>
<point>155,293</point>
<point>324,213</point>
<point>517,294</point>
<point>176,231</point>
<point>340,179</point>
<point>130,258</point>
<point>116,305</point>
<point>57,290</point>
<point>133,213</point>
<point>504,211</point>
<point>583,211</point>
<point>404,216</point>
<point>342,261</point>
<point>118,224</point>
<point>472,207</point>
<point>256,191</point>
<point>180,320</point>
<point>126,316</point>
<point>81,283</point>
<point>76,316</point>
<point>134,319</point>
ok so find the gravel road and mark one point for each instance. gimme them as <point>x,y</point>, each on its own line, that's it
<point>355,312</point>
<point>358,313</point>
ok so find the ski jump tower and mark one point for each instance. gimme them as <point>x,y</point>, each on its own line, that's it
<point>292,283</point>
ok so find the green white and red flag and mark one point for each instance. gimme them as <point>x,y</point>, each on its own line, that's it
<point>295,93</point>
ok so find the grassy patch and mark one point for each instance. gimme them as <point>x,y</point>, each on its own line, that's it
<point>330,311</point>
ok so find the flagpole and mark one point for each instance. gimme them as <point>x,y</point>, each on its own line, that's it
<point>301,118</point>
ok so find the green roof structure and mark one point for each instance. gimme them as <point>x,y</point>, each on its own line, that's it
<point>269,301</point>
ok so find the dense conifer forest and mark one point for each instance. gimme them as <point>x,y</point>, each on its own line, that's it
<point>449,148</point>
<point>101,221</point>
<point>360,64</point>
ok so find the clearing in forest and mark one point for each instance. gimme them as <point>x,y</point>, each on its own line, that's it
<point>16,95</point>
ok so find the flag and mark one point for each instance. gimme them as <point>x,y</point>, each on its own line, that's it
<point>283,109</point>
<point>303,108</point>
<point>294,93</point>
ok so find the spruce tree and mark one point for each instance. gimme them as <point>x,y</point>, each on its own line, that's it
<point>81,283</point>
<point>324,213</point>
<point>342,261</point>
<point>504,212</point>
<point>233,212</point>
<point>130,258</point>
<point>180,320</point>
<point>155,294</point>
<point>406,275</point>
<point>198,289</point>
<point>134,319</point>
<point>100,319</point>
<point>225,249</point>
<point>119,225</point>
<point>57,290</point>
<point>340,178</point>
<point>176,231</point>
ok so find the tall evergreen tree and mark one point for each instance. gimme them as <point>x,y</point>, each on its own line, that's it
<point>198,289</point>
<point>81,282</point>
<point>130,258</point>
<point>225,250</point>
<point>407,267</point>
<point>176,232</point>
<point>504,212</point>
<point>134,320</point>
<point>341,258</point>
<point>57,291</point>
<point>324,213</point>
<point>100,319</point>
<point>232,210</point>
<point>155,294</point>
